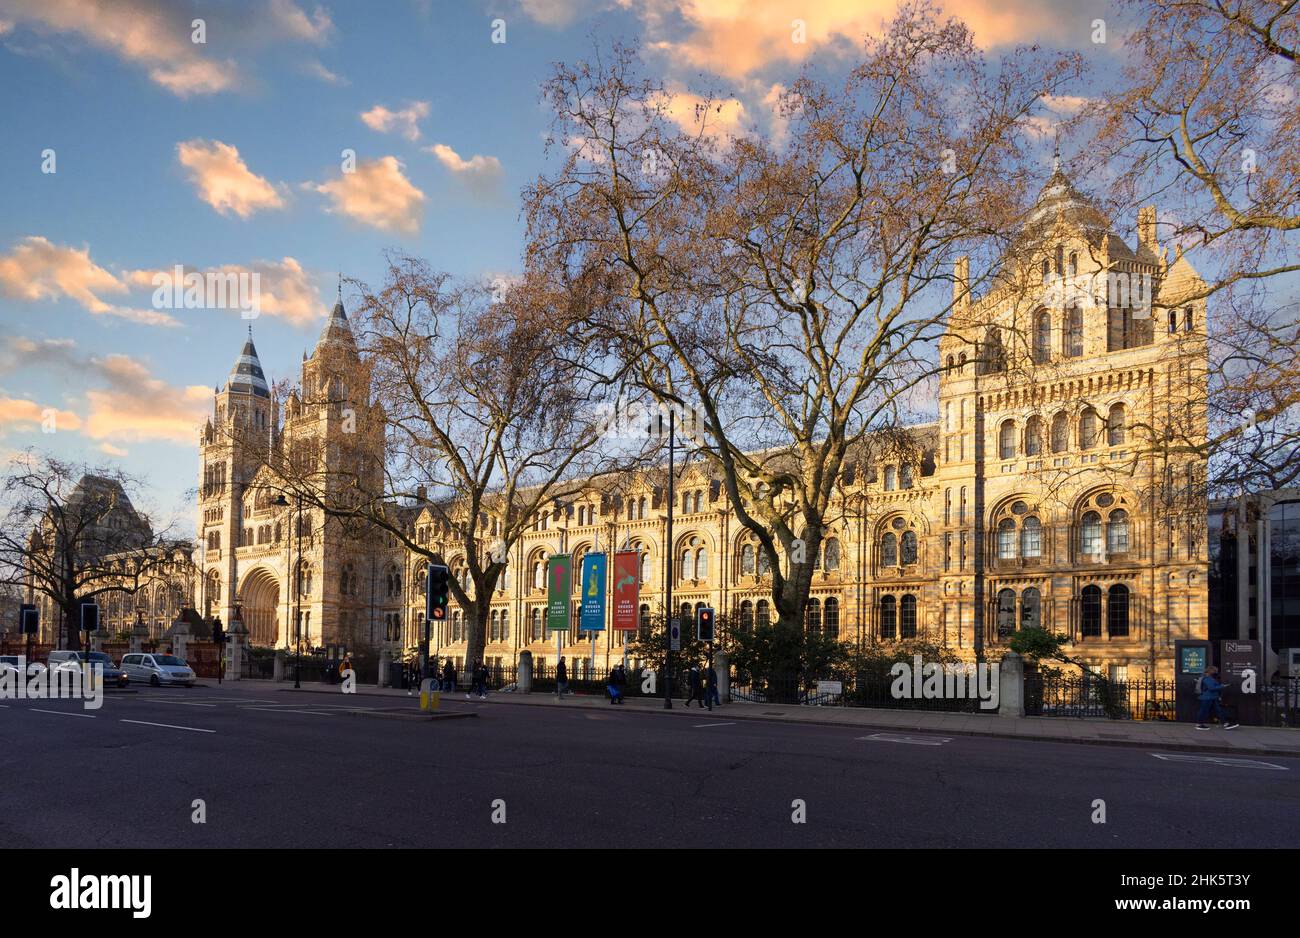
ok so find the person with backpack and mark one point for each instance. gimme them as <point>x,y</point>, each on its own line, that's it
<point>1208,690</point>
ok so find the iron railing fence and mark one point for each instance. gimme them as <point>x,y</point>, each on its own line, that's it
<point>1059,695</point>
<point>1281,702</point>
<point>956,691</point>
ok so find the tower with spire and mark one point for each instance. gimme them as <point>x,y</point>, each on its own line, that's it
<point>254,559</point>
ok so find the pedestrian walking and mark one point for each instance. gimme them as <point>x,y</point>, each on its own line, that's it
<point>561,679</point>
<point>482,681</point>
<point>449,677</point>
<point>693,682</point>
<point>1208,690</point>
<point>615,684</point>
<point>711,686</point>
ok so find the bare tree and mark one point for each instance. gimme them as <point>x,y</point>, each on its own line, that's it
<point>791,296</point>
<point>483,411</point>
<point>1205,122</point>
<point>70,532</point>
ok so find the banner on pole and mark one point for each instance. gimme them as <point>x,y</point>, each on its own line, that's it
<point>627,590</point>
<point>592,616</point>
<point>559,588</point>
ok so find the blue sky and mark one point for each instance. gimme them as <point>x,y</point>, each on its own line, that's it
<point>228,154</point>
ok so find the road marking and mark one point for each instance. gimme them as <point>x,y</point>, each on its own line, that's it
<point>317,713</point>
<point>911,740</point>
<point>62,713</point>
<point>170,726</point>
<point>700,726</point>
<point>179,703</point>
<point>1220,760</point>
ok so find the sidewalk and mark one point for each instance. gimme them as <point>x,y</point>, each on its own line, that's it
<point>1243,741</point>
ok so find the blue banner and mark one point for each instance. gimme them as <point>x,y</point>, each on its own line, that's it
<point>592,618</point>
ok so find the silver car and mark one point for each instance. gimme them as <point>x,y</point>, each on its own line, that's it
<point>156,669</point>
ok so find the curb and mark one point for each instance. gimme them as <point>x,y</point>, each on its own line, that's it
<point>730,711</point>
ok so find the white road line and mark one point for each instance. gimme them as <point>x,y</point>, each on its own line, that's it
<point>62,713</point>
<point>317,713</point>
<point>1220,760</point>
<point>911,740</point>
<point>169,726</point>
<point>179,703</point>
<point>700,726</point>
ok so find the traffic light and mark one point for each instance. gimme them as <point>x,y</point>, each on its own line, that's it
<point>89,617</point>
<point>436,595</point>
<point>31,619</point>
<point>704,623</point>
<point>218,633</point>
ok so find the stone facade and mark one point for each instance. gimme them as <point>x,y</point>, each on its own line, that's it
<point>1043,494</point>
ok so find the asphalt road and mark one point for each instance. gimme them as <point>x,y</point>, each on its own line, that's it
<point>276,769</point>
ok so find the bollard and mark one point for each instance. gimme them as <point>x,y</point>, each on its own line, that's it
<point>429,698</point>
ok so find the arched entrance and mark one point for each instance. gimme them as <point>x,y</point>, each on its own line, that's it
<point>260,599</point>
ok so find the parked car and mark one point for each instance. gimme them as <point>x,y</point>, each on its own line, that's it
<point>113,675</point>
<point>158,669</point>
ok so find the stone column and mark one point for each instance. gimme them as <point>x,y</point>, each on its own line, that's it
<point>236,642</point>
<point>525,679</point>
<point>1011,686</point>
<point>277,666</point>
<point>139,635</point>
<point>722,665</point>
<point>180,638</point>
<point>385,662</point>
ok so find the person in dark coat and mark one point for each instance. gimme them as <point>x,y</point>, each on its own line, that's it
<point>693,682</point>
<point>711,686</point>
<point>449,676</point>
<point>615,684</point>
<point>561,679</point>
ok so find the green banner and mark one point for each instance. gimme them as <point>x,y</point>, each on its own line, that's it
<point>559,584</point>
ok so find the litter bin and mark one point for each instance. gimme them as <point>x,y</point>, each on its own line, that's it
<point>397,674</point>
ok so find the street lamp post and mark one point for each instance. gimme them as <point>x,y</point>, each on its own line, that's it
<point>668,557</point>
<point>295,580</point>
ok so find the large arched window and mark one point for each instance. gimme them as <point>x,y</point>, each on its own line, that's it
<point>1006,539</point>
<point>535,625</point>
<point>687,571</point>
<point>812,616</point>
<point>1060,433</point>
<point>1090,534</point>
<point>1030,609</point>
<point>831,619</point>
<point>1088,429</point>
<point>1031,538</point>
<point>1034,436</point>
<point>908,541</point>
<point>832,553</point>
<point>746,615</point>
<point>888,618</point>
<point>702,564</point>
<point>891,475</point>
<point>889,550</point>
<point>1115,426</point>
<point>1117,532</point>
<point>1090,611</point>
<point>907,617</point>
<point>1117,611</point>
<point>1006,613</point>
<point>1074,332</point>
<point>1007,440</point>
<point>1042,337</point>
<point>763,614</point>
<point>904,476</point>
<point>747,560</point>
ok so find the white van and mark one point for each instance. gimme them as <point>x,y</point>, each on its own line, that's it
<point>158,669</point>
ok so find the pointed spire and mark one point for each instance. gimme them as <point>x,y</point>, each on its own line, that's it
<point>246,377</point>
<point>1056,152</point>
